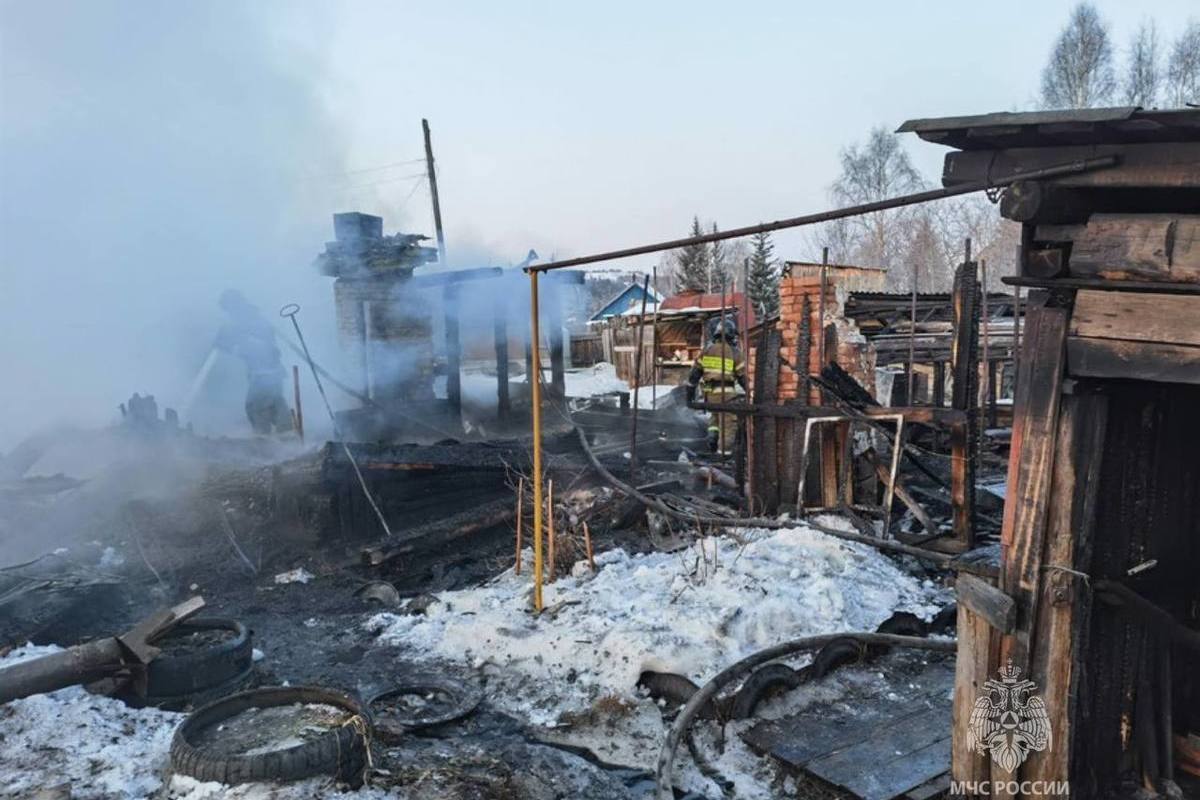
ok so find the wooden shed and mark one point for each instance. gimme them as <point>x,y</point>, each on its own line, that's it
<point>1100,551</point>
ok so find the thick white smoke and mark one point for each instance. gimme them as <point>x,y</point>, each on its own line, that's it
<point>151,155</point>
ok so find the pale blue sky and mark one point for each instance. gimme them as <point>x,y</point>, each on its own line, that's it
<point>574,127</point>
<point>155,153</point>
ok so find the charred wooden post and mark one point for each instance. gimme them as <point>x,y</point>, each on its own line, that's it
<point>554,321</point>
<point>453,349</point>
<point>500,335</point>
<point>964,366</point>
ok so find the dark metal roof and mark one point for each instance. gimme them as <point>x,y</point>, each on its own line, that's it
<point>1125,125</point>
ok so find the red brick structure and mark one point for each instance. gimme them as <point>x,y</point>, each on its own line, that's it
<point>844,343</point>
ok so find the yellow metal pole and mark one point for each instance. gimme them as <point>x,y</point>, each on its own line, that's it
<point>536,387</point>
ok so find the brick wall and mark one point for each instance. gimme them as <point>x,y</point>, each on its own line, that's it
<point>853,353</point>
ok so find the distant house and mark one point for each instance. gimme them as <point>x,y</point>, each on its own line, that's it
<point>628,302</point>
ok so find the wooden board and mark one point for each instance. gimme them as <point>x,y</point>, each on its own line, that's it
<point>1059,626</point>
<point>1144,361</point>
<point>1034,437</point>
<point>1156,247</point>
<point>1137,316</point>
<point>978,643</point>
<point>988,602</point>
<point>876,747</point>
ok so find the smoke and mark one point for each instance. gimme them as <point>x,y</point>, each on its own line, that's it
<point>152,155</point>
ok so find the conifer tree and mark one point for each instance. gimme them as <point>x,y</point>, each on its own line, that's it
<point>763,278</point>
<point>692,264</point>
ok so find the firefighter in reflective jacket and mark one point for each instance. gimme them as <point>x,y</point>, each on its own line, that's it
<point>723,374</point>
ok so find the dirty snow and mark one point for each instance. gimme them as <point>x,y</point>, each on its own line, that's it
<point>105,750</point>
<point>692,612</point>
<point>98,746</point>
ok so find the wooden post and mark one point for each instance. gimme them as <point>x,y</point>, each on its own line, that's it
<point>431,173</point>
<point>964,438</point>
<point>520,520</point>
<point>500,335</point>
<point>939,383</point>
<point>587,543</point>
<point>558,378</point>
<point>1034,438</point>
<point>1059,626</point>
<point>453,349</point>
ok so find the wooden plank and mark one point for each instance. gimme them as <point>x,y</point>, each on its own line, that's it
<point>1035,429</point>
<point>1162,247</point>
<point>981,597</point>
<point>897,756</point>
<point>1144,361</point>
<point>1061,608</point>
<point>977,645</point>
<point>1137,316</point>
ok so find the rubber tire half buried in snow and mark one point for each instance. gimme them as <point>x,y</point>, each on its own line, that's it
<point>339,752</point>
<point>183,674</point>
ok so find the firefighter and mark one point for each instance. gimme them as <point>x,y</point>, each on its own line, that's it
<point>249,336</point>
<point>721,371</point>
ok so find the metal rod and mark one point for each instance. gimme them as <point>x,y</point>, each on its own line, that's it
<point>986,378</point>
<point>637,380</point>
<point>720,418</point>
<point>1071,168</point>
<point>912,336</point>
<point>1016,336</point>
<point>536,399</point>
<point>296,400</point>
<point>433,193</point>
<point>654,341</point>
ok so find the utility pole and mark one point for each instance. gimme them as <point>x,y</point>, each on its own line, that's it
<point>433,191</point>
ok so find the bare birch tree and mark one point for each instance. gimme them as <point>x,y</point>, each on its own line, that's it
<point>1143,73</point>
<point>1183,67</point>
<point>876,170</point>
<point>1080,71</point>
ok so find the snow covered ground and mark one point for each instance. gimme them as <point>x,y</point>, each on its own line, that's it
<point>692,612</point>
<point>571,673</point>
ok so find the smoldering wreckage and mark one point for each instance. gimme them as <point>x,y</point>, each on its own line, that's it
<point>942,544</point>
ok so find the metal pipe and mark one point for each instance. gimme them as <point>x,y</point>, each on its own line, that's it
<point>536,399</point>
<point>1071,168</point>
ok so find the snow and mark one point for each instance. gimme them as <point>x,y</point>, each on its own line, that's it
<point>692,612</point>
<point>297,575</point>
<point>99,746</point>
<point>104,750</point>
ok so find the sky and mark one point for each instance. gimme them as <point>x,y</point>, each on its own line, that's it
<point>153,154</point>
